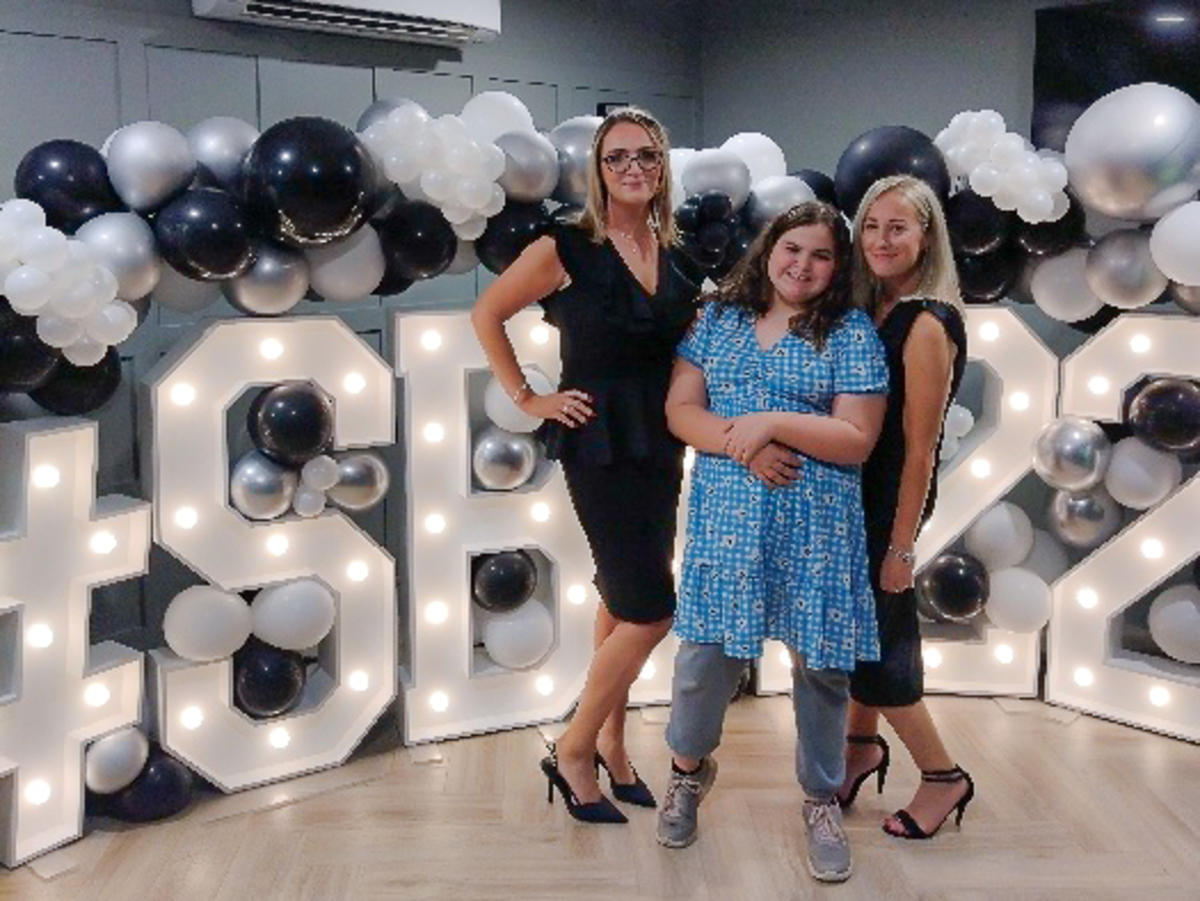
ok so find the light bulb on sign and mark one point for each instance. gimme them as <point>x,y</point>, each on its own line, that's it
<point>785,658</point>
<point>1159,696</point>
<point>96,694</point>
<point>191,718</point>
<point>1152,549</point>
<point>1098,385</point>
<point>354,382</point>
<point>431,339</point>
<point>539,334</point>
<point>1139,344</point>
<point>277,545</point>
<point>540,512</point>
<point>103,543</point>
<point>279,737</point>
<point>183,394</point>
<point>989,331</point>
<point>1004,653</point>
<point>436,613</point>
<point>46,476</point>
<point>1087,598</point>
<point>270,349</point>
<point>37,792</point>
<point>544,685</point>
<point>932,657</point>
<point>359,680</point>
<point>576,594</point>
<point>434,432</point>
<point>981,469</point>
<point>439,701</point>
<point>689,458</point>
<point>649,671</point>
<point>39,635</point>
<point>1083,676</point>
<point>435,524</point>
<point>357,571</point>
<point>186,517</point>
<point>1019,401</point>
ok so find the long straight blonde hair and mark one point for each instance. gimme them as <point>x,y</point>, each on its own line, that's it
<point>939,276</point>
<point>594,216</point>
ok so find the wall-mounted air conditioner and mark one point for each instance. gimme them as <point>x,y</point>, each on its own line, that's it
<point>423,21</point>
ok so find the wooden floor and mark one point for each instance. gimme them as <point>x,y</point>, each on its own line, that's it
<point>1067,807</point>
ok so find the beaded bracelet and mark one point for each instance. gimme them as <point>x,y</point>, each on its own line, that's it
<point>519,393</point>
<point>908,558</point>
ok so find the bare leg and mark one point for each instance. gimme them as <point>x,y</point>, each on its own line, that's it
<point>916,730</point>
<point>615,665</point>
<point>611,740</point>
<point>860,720</point>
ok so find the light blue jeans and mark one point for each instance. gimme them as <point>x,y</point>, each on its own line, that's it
<point>704,682</point>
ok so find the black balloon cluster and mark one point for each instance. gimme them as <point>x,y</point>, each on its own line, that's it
<point>713,236</point>
<point>162,789</point>
<point>503,581</point>
<point>267,681</point>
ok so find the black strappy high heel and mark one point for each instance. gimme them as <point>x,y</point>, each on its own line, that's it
<point>911,829</point>
<point>602,811</point>
<point>881,768</point>
<point>635,792</point>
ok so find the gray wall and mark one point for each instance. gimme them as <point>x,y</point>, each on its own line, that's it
<point>814,75</point>
<point>81,68</point>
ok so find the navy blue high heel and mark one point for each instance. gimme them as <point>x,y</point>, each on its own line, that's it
<point>635,792</point>
<point>602,811</point>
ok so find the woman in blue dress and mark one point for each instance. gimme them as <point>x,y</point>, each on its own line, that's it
<point>777,362</point>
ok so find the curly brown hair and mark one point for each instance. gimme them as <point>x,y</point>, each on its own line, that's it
<point>748,286</point>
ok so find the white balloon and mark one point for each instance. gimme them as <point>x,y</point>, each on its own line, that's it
<point>28,289</point>
<point>495,203</point>
<point>1001,537</point>
<point>85,297</point>
<point>959,421</point>
<point>985,179</point>
<point>85,352</point>
<point>57,331</point>
<point>488,115</point>
<point>1175,244</point>
<point>1036,206</point>
<point>320,473</point>
<point>762,156</point>
<point>349,269</point>
<point>294,615</point>
<point>203,623</point>
<point>1053,175</point>
<point>22,214</point>
<point>473,193</point>
<point>1007,150</point>
<point>45,248</point>
<point>679,157</point>
<point>949,449</point>
<point>1047,558</point>
<point>1060,288</point>
<point>471,229</point>
<point>1018,600</point>
<point>718,170</point>
<point>401,165</point>
<point>308,502</point>
<point>436,185</point>
<point>1139,476</point>
<point>1175,622</point>
<point>114,761</point>
<point>986,124</point>
<point>519,638</point>
<point>500,408</point>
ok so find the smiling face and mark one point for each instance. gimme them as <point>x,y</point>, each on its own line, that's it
<point>627,164</point>
<point>802,264</point>
<point>893,238</point>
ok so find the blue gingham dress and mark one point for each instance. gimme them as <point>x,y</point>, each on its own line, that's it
<point>787,563</point>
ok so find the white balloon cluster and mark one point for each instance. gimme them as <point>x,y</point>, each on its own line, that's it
<point>735,168</point>
<point>958,424</point>
<point>451,161</point>
<point>1002,165</point>
<point>60,281</point>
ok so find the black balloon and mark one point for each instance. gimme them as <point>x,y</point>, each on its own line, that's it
<point>72,389</point>
<point>1053,238</point>
<point>267,680</point>
<point>976,224</point>
<point>955,586</point>
<point>1166,415</point>
<point>687,217</point>
<point>1096,321</point>
<point>309,180</point>
<point>509,232</point>
<point>392,282</point>
<point>987,277</point>
<point>714,205</point>
<point>821,184</point>
<point>162,789</point>
<point>204,233</point>
<point>291,422</point>
<point>417,242</point>
<point>888,150</point>
<point>69,180</point>
<point>25,362</point>
<point>504,581</point>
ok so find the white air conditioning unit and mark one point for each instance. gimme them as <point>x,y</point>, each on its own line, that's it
<point>450,22</point>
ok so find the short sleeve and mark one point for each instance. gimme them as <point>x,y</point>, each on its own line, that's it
<point>859,358</point>
<point>694,345</point>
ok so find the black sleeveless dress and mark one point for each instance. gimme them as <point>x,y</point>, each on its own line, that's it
<point>623,468</point>
<point>897,679</point>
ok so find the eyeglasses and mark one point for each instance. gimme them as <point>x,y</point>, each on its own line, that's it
<point>619,161</point>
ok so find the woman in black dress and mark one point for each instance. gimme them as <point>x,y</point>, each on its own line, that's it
<point>904,276</point>
<point>611,286</point>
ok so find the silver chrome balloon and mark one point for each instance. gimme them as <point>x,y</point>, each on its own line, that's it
<point>362,481</point>
<point>124,244</point>
<point>1186,297</point>
<point>573,141</point>
<point>1121,272</point>
<point>717,170</point>
<point>1135,152</point>
<point>1071,453</point>
<point>376,112</point>
<point>530,166</point>
<point>1086,519</point>
<point>259,488</point>
<point>219,145</point>
<point>773,195</point>
<point>276,282</point>
<point>148,164</point>
<point>503,461</point>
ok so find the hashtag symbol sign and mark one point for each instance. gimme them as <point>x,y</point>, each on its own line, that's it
<point>57,690</point>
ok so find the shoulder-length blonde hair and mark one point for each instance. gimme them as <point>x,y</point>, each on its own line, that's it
<point>939,277</point>
<point>594,215</point>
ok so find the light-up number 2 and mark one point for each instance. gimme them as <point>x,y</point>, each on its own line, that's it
<point>188,394</point>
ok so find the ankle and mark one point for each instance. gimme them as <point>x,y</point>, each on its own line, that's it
<point>686,767</point>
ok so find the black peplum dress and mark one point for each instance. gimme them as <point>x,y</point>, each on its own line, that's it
<point>897,679</point>
<point>623,467</point>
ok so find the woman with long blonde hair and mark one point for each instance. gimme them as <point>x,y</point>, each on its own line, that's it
<point>904,276</point>
<point>610,285</point>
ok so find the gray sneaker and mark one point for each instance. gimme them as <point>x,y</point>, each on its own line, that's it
<point>677,816</point>
<point>828,847</point>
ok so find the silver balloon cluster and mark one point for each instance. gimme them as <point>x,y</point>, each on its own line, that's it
<point>65,284</point>
<point>572,140</point>
<point>749,168</point>
<point>260,488</point>
<point>451,161</point>
<point>503,461</point>
<point>1002,165</point>
<point>1072,454</point>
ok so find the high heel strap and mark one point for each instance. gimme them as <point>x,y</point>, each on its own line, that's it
<point>875,739</point>
<point>954,774</point>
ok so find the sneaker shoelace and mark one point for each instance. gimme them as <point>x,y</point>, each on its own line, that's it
<point>824,825</point>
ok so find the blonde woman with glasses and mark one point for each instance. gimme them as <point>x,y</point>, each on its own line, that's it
<point>609,283</point>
